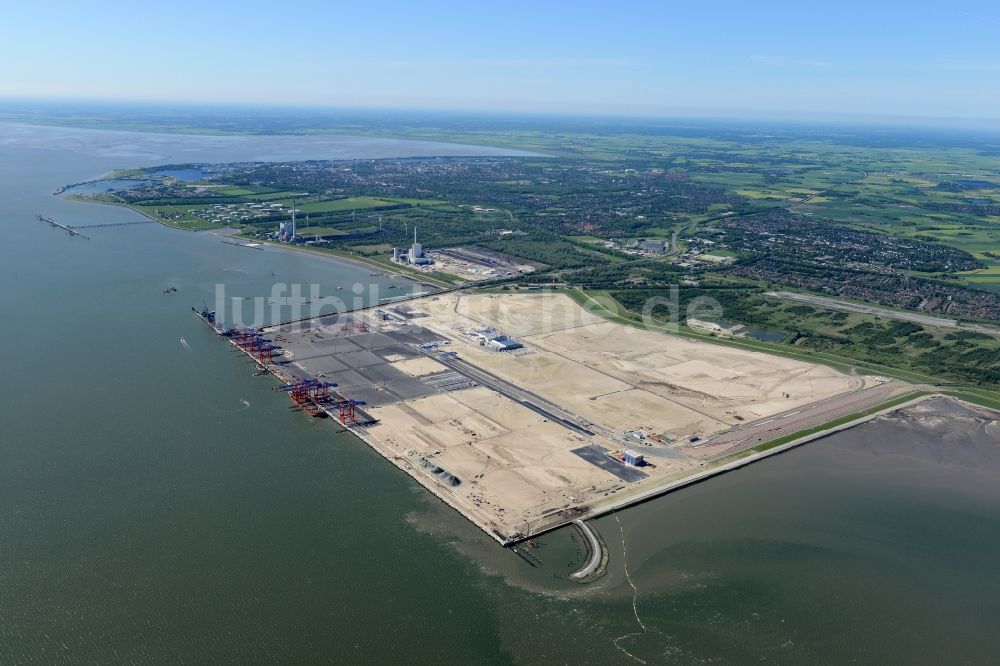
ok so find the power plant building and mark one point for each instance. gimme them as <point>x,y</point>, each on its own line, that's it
<point>417,252</point>
<point>287,231</point>
<point>415,255</point>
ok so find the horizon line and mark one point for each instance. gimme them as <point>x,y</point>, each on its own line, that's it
<point>649,113</point>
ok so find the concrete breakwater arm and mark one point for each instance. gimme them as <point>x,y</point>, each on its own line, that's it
<point>598,554</point>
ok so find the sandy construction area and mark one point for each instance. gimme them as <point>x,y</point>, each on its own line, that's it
<point>625,378</point>
<point>723,382</point>
<point>521,441</point>
<point>512,464</point>
<point>525,314</point>
<point>604,400</point>
<point>419,367</point>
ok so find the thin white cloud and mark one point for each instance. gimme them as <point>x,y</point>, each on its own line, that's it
<point>784,60</point>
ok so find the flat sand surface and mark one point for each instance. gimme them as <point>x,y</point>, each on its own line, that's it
<point>525,314</point>
<point>419,367</point>
<point>494,433</point>
<point>514,465</point>
<point>627,378</point>
<point>724,382</point>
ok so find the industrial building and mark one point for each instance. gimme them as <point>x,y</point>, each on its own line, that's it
<point>287,231</point>
<point>633,458</point>
<point>503,343</point>
<point>654,245</point>
<point>414,256</point>
<point>494,339</point>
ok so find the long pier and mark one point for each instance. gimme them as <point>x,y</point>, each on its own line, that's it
<point>70,230</point>
<point>111,224</point>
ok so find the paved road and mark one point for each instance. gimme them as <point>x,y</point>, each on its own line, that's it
<point>830,189</point>
<point>534,402</point>
<point>929,320</point>
<point>824,302</point>
<point>798,419</point>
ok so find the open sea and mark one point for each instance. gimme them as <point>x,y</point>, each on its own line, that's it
<point>159,504</point>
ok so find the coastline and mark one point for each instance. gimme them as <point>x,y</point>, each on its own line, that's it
<point>342,257</point>
<point>644,495</point>
<point>779,445</point>
<point>338,257</point>
<point>400,462</point>
<point>900,398</point>
<point>625,500</point>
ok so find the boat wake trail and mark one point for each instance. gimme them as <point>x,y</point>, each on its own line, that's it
<point>245,407</point>
<point>635,599</point>
<point>184,343</point>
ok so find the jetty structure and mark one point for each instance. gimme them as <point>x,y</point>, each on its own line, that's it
<point>572,417</point>
<point>68,229</point>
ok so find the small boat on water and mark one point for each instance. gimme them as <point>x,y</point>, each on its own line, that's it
<point>169,290</point>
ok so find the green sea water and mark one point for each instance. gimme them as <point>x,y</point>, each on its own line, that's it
<point>160,504</point>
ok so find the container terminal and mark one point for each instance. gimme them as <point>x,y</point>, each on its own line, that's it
<point>316,397</point>
<point>525,412</point>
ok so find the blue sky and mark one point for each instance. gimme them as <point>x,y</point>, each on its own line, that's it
<point>916,58</point>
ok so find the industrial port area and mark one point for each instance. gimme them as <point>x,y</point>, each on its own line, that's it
<point>525,412</point>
